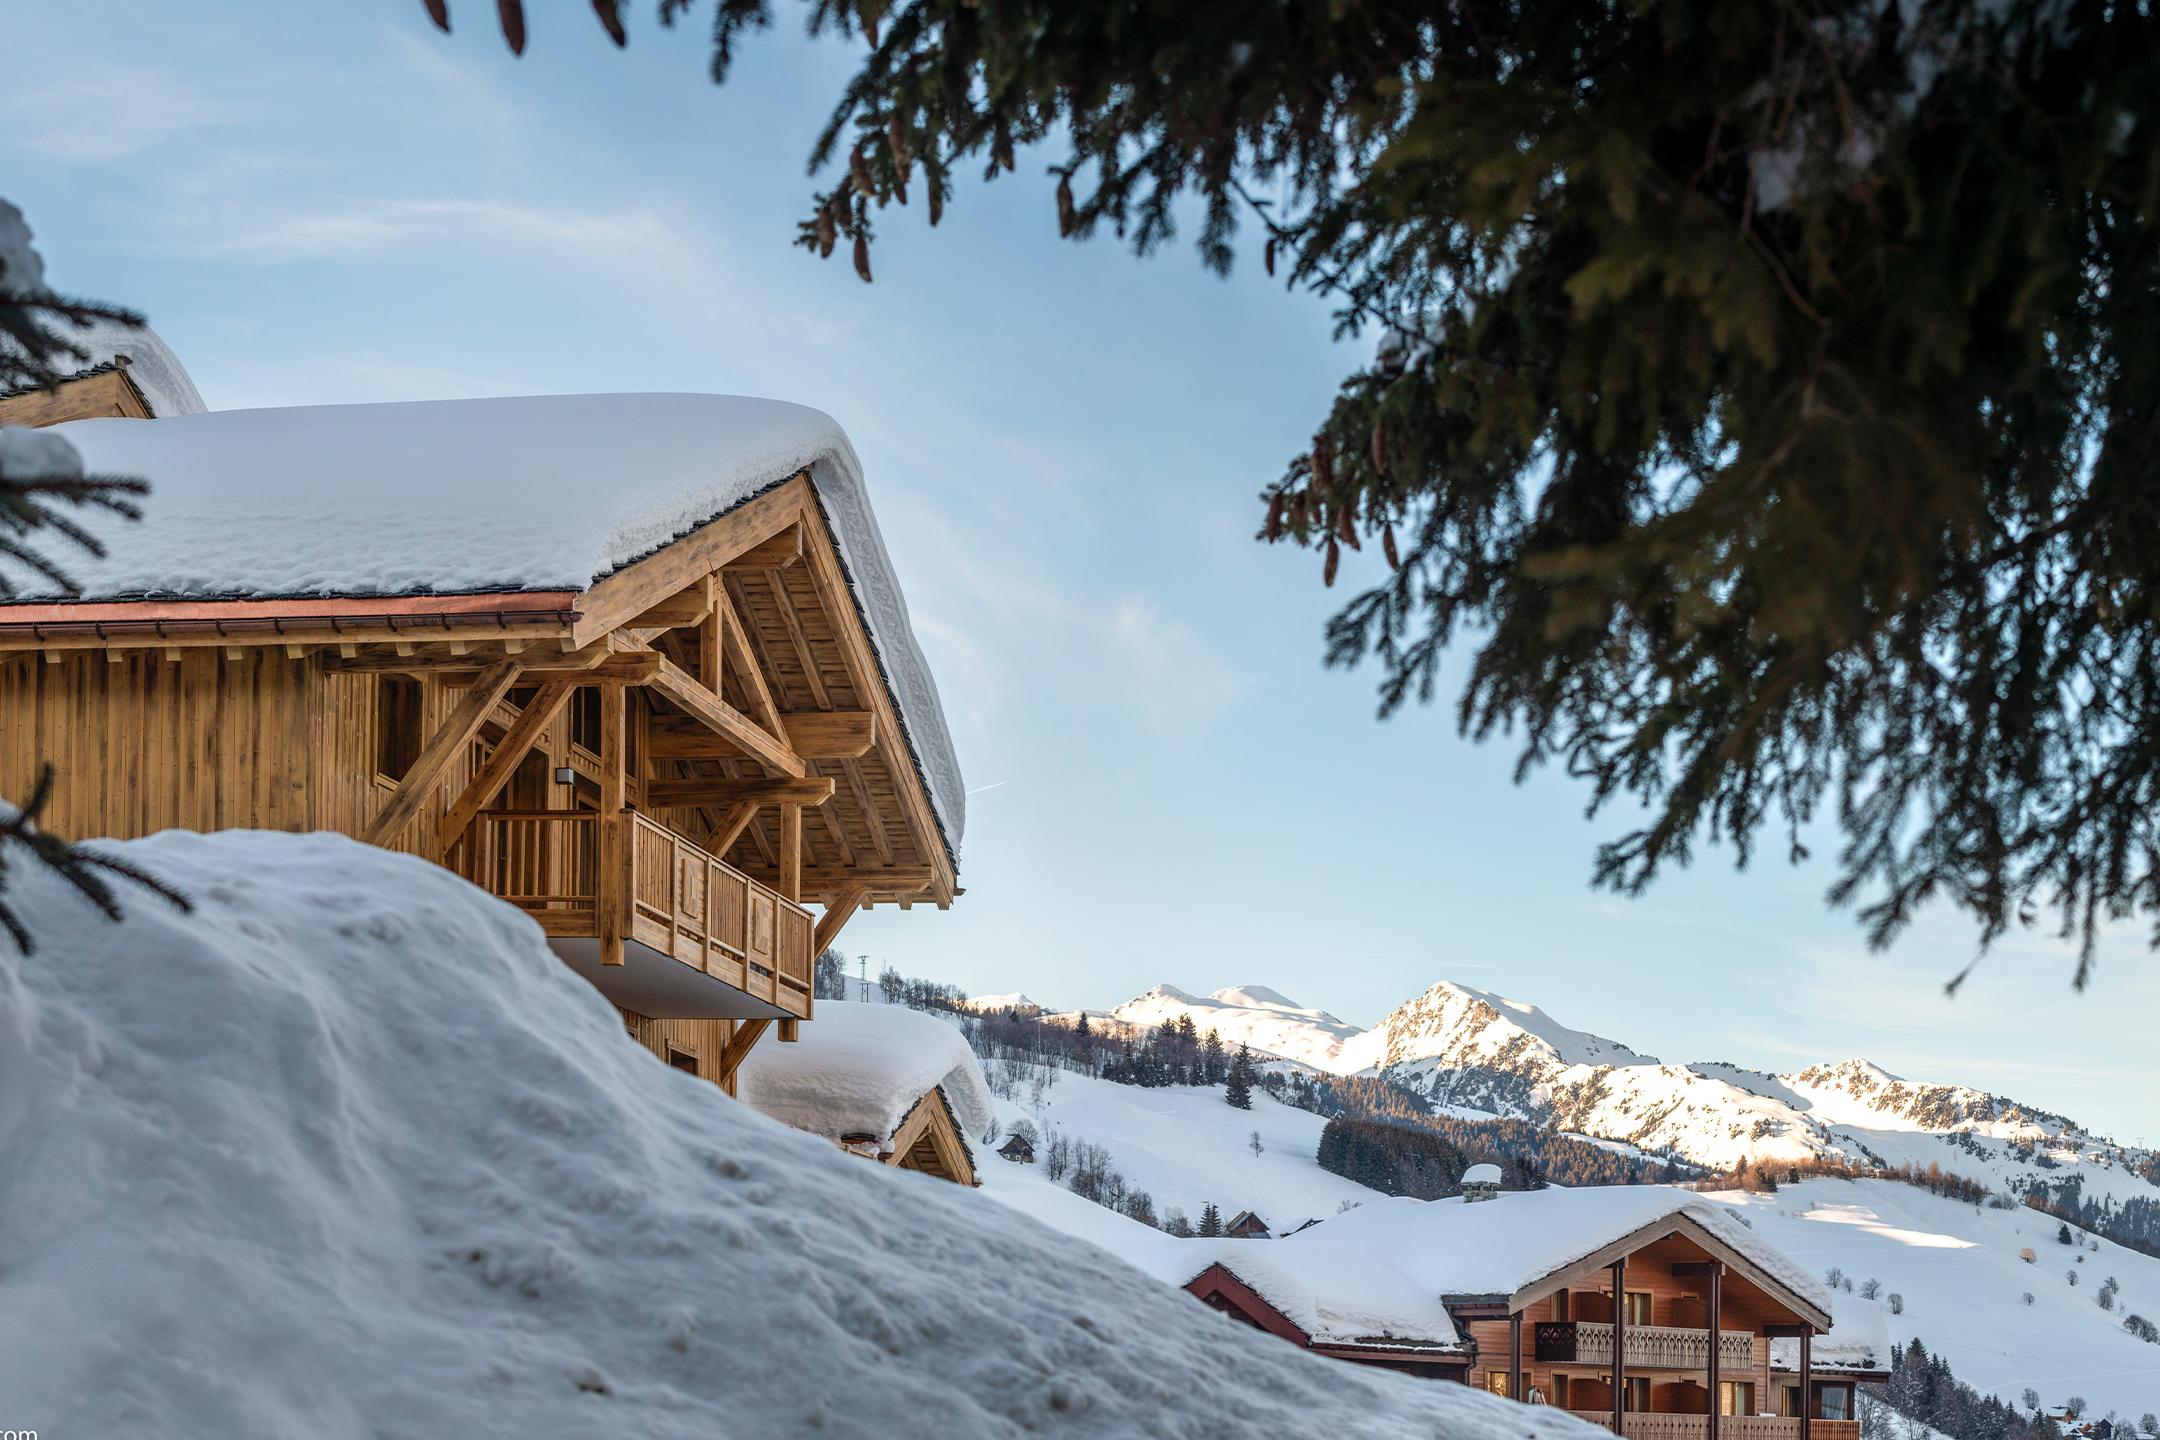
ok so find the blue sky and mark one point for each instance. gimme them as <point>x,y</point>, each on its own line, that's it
<point>1064,444</point>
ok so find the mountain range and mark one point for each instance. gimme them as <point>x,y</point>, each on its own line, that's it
<point>1475,1054</point>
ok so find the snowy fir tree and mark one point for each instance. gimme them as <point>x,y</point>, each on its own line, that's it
<point>1210,1220</point>
<point>1673,309</point>
<point>1238,1089</point>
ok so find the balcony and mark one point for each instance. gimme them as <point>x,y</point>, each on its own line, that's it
<point>1649,1347</point>
<point>702,940</point>
<point>1654,1426</point>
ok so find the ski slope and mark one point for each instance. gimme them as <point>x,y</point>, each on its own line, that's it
<point>1958,1269</point>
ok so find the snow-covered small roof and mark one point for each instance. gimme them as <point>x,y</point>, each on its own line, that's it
<point>859,1069</point>
<point>533,493</point>
<point>1858,1339</point>
<point>1387,1268</point>
<point>151,366</point>
<point>1484,1174</point>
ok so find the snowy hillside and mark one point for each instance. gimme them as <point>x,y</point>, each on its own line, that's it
<point>1958,1270</point>
<point>1185,1147</point>
<point>348,1152</point>
<point>1473,1052</point>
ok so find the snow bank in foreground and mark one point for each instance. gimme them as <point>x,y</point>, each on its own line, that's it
<point>348,1152</point>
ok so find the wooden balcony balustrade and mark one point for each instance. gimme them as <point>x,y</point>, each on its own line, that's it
<point>680,900</point>
<point>1652,1425</point>
<point>1649,1347</point>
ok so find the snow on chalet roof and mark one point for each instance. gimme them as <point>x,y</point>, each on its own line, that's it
<point>1858,1339</point>
<point>1381,1272</point>
<point>436,497</point>
<point>859,1069</point>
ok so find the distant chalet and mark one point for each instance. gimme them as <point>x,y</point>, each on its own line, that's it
<point>637,664</point>
<point>1644,1309</point>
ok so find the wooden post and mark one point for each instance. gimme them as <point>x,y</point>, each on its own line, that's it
<point>1619,1347</point>
<point>1717,1301</point>
<point>611,880</point>
<point>712,642</point>
<point>1807,1381</point>
<point>790,886</point>
<point>1514,1355</point>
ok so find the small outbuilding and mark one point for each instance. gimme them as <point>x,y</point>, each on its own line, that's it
<point>895,1085</point>
<point>1481,1182</point>
<point>1245,1225</point>
<point>1019,1149</point>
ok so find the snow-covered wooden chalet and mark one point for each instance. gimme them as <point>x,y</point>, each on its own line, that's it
<point>1645,1309</point>
<point>637,664</point>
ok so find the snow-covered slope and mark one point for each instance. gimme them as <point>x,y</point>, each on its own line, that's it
<point>1185,1147</point>
<point>1474,1052</point>
<point>348,1153</point>
<point>1962,1284</point>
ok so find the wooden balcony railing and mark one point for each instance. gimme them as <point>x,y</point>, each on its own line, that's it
<point>680,900</point>
<point>1651,1425</point>
<point>1649,1347</point>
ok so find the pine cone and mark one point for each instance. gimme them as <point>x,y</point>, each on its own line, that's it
<point>896,141</point>
<point>1323,462</point>
<point>1065,205</point>
<point>859,172</point>
<point>1275,508</point>
<point>1379,445</point>
<point>1387,547</point>
<point>862,256</point>
<point>1334,560</point>
<point>1346,527</point>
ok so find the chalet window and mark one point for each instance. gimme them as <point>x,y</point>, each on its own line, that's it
<point>682,1060</point>
<point>1789,1401</point>
<point>1497,1382</point>
<point>1736,1397</point>
<point>1559,1391</point>
<point>1836,1402</point>
<point>397,725</point>
<point>1638,1393</point>
<point>1638,1307</point>
<point>584,710</point>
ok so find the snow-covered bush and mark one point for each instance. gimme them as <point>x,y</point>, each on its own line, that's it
<point>1897,1303</point>
<point>1870,1288</point>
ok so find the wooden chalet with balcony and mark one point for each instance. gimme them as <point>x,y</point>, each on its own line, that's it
<point>1644,1309</point>
<point>638,665</point>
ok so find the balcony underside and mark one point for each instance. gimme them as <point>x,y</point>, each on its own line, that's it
<point>652,984</point>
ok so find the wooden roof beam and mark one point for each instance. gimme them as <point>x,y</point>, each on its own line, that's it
<point>812,734</point>
<point>708,709</point>
<point>707,790</point>
<point>777,553</point>
<point>688,606</point>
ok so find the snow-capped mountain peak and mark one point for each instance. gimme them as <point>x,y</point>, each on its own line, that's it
<point>1477,1026</point>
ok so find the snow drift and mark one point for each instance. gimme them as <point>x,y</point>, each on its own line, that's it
<point>348,1152</point>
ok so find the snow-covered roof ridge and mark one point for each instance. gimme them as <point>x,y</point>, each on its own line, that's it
<point>527,493</point>
<point>860,1068</point>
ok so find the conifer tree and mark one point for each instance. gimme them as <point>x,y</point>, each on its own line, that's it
<point>1766,390</point>
<point>1213,1067</point>
<point>1238,1091</point>
<point>42,486</point>
<point>1210,1219</point>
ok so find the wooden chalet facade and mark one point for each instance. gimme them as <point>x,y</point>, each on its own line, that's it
<point>690,772</point>
<point>1657,1330</point>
